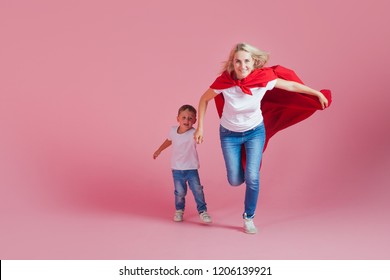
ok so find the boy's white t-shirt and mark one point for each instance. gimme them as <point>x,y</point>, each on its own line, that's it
<point>241,111</point>
<point>184,153</point>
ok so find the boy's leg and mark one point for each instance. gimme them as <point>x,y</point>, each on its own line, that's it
<point>197,189</point>
<point>180,189</point>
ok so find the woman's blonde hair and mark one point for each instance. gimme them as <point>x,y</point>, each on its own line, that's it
<point>260,57</point>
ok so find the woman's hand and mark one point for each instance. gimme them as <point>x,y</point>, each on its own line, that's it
<point>198,136</point>
<point>323,100</point>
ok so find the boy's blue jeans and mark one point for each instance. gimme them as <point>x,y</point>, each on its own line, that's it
<point>180,179</point>
<point>232,144</point>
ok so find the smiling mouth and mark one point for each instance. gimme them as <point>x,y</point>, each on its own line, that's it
<point>244,72</point>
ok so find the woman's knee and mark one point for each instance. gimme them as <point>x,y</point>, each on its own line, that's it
<point>235,181</point>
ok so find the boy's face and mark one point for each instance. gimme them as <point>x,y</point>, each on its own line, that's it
<point>186,120</point>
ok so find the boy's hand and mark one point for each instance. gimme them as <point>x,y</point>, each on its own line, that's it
<point>156,154</point>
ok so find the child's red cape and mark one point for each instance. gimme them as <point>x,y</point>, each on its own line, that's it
<point>280,108</point>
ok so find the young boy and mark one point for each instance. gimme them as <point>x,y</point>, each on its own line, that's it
<point>185,163</point>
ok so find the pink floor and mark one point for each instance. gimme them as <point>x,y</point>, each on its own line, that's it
<point>102,210</point>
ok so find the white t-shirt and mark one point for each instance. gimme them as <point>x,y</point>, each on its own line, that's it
<point>242,111</point>
<point>184,154</point>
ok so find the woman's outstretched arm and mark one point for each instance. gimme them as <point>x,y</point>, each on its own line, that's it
<point>297,87</point>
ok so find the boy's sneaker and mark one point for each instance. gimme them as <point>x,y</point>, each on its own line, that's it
<point>205,217</point>
<point>249,226</point>
<point>178,216</point>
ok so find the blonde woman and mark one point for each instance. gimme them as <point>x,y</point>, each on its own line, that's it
<point>242,86</point>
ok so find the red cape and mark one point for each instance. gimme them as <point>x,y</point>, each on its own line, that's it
<point>280,108</point>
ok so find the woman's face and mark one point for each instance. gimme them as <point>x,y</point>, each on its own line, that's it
<point>243,64</point>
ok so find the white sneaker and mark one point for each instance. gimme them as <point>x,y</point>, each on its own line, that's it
<point>249,226</point>
<point>178,216</point>
<point>205,217</point>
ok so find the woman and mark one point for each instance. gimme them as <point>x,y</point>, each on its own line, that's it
<point>243,84</point>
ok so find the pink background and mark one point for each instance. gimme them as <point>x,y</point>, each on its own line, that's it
<point>89,90</point>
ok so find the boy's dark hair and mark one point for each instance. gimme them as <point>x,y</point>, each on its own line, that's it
<point>186,107</point>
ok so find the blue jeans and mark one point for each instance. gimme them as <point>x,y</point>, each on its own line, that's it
<point>180,179</point>
<point>232,144</point>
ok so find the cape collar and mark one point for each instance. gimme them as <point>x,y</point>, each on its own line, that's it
<point>257,78</point>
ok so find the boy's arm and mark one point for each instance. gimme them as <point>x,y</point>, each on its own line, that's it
<point>163,146</point>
